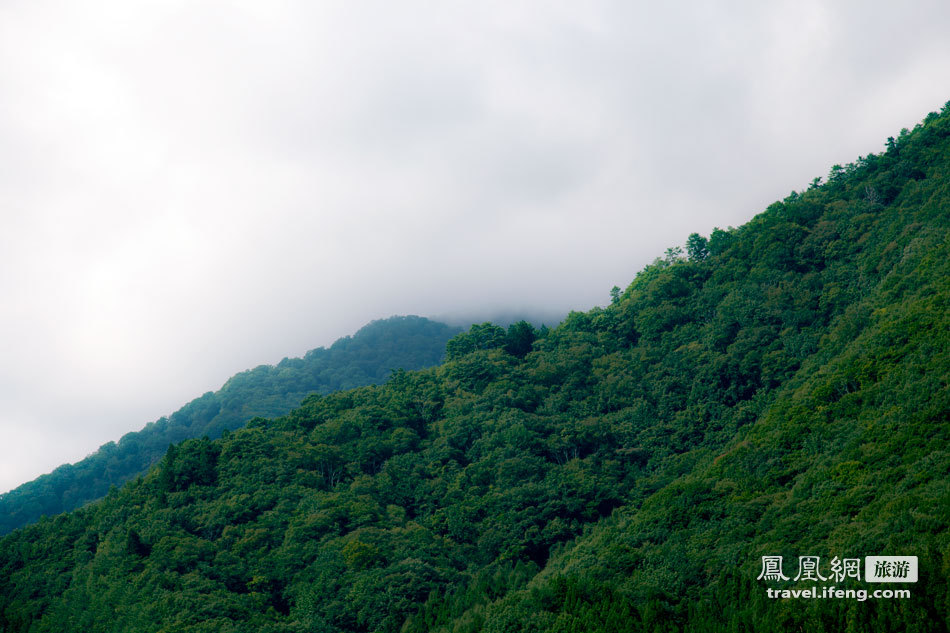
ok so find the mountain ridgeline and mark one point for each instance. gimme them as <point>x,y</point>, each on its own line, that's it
<point>778,389</point>
<point>366,358</point>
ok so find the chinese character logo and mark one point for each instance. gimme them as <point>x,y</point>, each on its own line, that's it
<point>890,568</point>
<point>772,568</point>
<point>808,568</point>
<point>847,568</point>
<point>882,569</point>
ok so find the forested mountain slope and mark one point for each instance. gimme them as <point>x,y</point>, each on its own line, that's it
<point>780,389</point>
<point>365,358</point>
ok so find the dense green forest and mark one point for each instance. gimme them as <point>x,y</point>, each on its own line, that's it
<point>775,389</point>
<point>366,358</point>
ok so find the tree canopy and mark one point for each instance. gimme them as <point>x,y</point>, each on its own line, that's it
<point>366,358</point>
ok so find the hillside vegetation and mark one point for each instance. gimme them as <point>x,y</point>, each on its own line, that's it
<point>776,389</point>
<point>365,358</point>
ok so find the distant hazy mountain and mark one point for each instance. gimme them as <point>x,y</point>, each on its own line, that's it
<point>366,358</point>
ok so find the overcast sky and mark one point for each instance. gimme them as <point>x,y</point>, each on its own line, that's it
<point>189,189</point>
